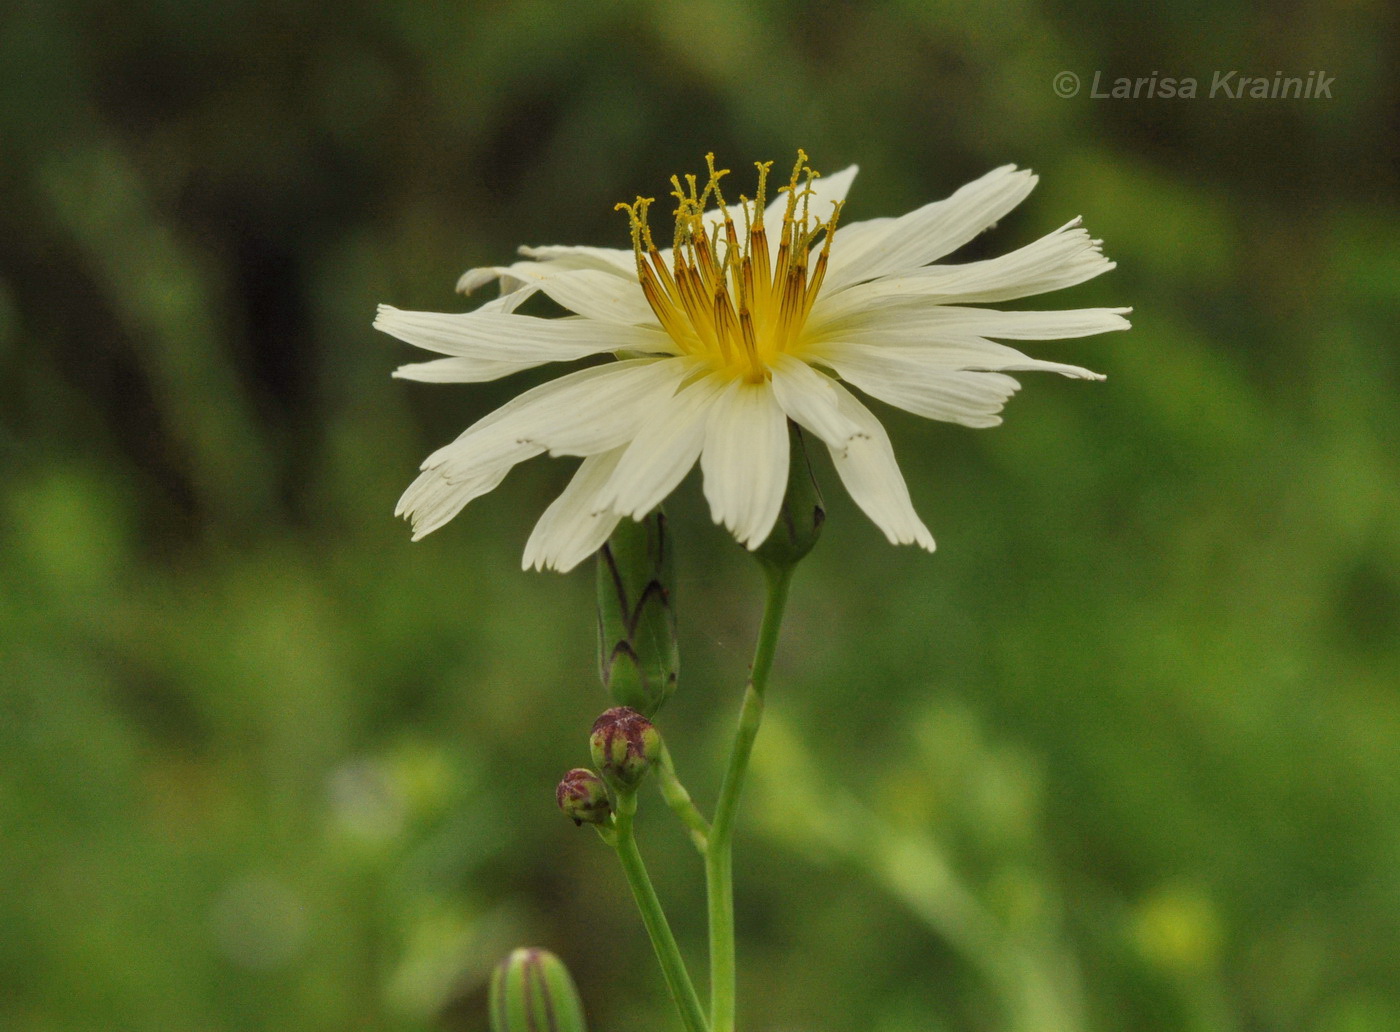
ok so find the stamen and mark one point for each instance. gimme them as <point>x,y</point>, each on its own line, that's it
<point>764,167</point>
<point>721,296</point>
<point>715,176</point>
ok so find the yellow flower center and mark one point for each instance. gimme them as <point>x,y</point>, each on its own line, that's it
<point>723,296</point>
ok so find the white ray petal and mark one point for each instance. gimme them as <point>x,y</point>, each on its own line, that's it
<point>611,260</point>
<point>882,247</point>
<point>549,261</point>
<point>432,500</point>
<point>493,343</point>
<point>1060,259</point>
<point>599,295</point>
<point>511,300</point>
<point>903,378</point>
<point>460,370</point>
<point>915,319</point>
<point>810,400</point>
<point>967,353</point>
<point>664,449</point>
<point>868,469</point>
<point>584,413</point>
<point>859,447</point>
<point>474,279</point>
<point>745,461</point>
<point>575,525</point>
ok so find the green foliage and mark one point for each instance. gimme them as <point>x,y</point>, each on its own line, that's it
<point>1120,755</point>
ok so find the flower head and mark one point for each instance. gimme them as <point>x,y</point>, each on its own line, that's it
<point>758,313</point>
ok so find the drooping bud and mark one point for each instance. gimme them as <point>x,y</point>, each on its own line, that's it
<point>583,796</point>
<point>624,745</point>
<point>800,520</point>
<point>531,991</point>
<point>637,654</point>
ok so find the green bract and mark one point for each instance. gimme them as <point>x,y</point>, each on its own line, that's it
<point>637,655</point>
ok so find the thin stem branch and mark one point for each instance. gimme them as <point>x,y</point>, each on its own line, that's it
<point>719,856</point>
<point>678,799</point>
<point>658,928</point>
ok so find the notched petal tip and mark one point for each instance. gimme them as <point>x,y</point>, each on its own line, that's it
<point>1031,177</point>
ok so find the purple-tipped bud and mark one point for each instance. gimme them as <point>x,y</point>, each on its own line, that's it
<point>624,745</point>
<point>583,796</point>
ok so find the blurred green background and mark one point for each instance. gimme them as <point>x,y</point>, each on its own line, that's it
<point>1121,755</point>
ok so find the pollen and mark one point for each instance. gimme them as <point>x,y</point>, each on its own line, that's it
<point>722,294</point>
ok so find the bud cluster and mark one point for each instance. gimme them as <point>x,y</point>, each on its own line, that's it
<point>624,744</point>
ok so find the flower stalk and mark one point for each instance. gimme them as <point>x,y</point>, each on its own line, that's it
<point>663,942</point>
<point>678,799</point>
<point>719,855</point>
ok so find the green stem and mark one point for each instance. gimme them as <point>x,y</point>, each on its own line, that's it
<point>678,799</point>
<point>662,941</point>
<point>719,857</point>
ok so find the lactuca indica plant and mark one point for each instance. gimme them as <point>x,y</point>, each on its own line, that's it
<point>734,345</point>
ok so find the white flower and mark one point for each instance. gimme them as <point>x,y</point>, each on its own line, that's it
<point>728,334</point>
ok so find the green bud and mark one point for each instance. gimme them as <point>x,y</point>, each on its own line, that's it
<point>624,745</point>
<point>637,654</point>
<point>802,515</point>
<point>583,796</point>
<point>531,991</point>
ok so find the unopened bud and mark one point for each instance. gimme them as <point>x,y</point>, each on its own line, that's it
<point>583,796</point>
<point>802,515</point>
<point>624,745</point>
<point>531,991</point>
<point>637,654</point>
